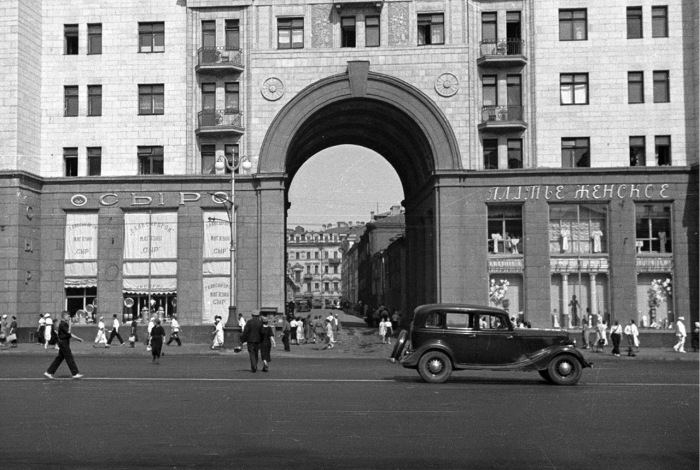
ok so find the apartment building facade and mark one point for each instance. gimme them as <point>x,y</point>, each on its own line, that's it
<point>550,144</point>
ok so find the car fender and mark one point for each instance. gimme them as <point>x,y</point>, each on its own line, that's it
<point>541,358</point>
<point>411,359</point>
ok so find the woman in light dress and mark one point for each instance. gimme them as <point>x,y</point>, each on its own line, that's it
<point>218,333</point>
<point>101,334</point>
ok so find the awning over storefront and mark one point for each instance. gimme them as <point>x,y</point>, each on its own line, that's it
<point>156,286</point>
<point>78,283</point>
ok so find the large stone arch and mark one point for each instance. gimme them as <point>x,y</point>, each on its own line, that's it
<point>376,111</point>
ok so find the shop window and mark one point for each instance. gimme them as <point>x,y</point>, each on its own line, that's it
<point>94,160</point>
<point>505,230</point>
<point>653,228</point>
<point>573,88</point>
<point>150,160</point>
<point>78,298</point>
<point>573,25</point>
<point>578,229</point>
<point>431,29</point>
<point>70,39</point>
<point>372,31</point>
<point>151,99</point>
<point>290,33</point>
<point>662,144</point>
<point>634,23</point>
<point>638,150</point>
<point>94,39</point>
<point>151,37</point>
<point>348,32</point>
<point>575,152</point>
<point>659,22</point>
<point>635,87</point>
<point>70,161</point>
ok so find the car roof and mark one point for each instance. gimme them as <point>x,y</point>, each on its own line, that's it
<point>454,306</point>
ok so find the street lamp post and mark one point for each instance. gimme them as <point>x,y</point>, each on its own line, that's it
<point>221,165</point>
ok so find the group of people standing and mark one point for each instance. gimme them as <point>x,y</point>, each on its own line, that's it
<point>8,332</point>
<point>298,330</point>
<point>598,327</point>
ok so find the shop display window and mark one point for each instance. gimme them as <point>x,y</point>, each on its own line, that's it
<point>578,229</point>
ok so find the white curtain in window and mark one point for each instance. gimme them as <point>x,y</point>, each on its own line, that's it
<point>580,93</point>
<point>566,93</point>
<point>141,285</point>
<point>217,235</point>
<point>81,236</point>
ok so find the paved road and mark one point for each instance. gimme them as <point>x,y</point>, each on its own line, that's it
<point>211,412</point>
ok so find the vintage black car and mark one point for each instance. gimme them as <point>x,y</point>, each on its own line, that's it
<point>447,337</point>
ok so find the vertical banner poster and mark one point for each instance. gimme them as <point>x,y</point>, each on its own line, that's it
<point>81,236</point>
<point>216,293</point>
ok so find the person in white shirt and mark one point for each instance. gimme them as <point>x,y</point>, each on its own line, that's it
<point>615,336</point>
<point>218,333</point>
<point>241,321</point>
<point>48,326</point>
<point>101,336</point>
<point>174,332</point>
<point>115,332</point>
<point>40,330</point>
<point>632,336</point>
<point>151,324</point>
<point>680,334</point>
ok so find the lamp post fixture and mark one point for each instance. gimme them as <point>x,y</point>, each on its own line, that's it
<point>221,165</point>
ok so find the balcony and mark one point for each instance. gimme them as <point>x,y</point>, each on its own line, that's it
<point>502,53</point>
<point>308,277</point>
<point>502,118</point>
<point>219,60</point>
<point>334,261</point>
<point>213,121</point>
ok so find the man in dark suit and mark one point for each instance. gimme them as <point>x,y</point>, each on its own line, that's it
<point>64,352</point>
<point>252,334</point>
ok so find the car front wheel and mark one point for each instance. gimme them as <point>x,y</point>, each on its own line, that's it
<point>435,367</point>
<point>564,370</point>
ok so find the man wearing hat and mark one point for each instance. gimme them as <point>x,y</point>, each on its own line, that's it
<point>680,334</point>
<point>253,334</point>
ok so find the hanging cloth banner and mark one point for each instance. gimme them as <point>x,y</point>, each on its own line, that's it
<point>150,235</point>
<point>217,235</point>
<point>216,293</point>
<point>81,236</point>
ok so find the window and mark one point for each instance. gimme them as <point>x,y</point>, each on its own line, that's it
<point>514,92</point>
<point>431,29</point>
<point>150,160</point>
<point>347,31</point>
<point>290,33</point>
<point>232,155</point>
<point>575,152</point>
<point>209,96</point>
<point>459,320</point>
<point>372,32</point>
<point>209,34</point>
<point>78,298</point>
<point>573,88</point>
<point>638,150</point>
<point>71,101</point>
<point>662,145</point>
<point>232,97</point>
<point>70,39</point>
<point>513,33</point>
<point>70,161</point>
<point>573,25</point>
<point>94,100</point>
<point>489,85</point>
<point>635,87</point>
<point>490,154</point>
<point>634,23</point>
<point>578,229</point>
<point>151,37</point>
<point>233,35</point>
<point>208,153</point>
<point>95,38</point>
<point>653,228</point>
<point>505,230</point>
<point>662,86</point>
<point>94,161</point>
<point>489,27</point>
<point>515,153</point>
<point>151,99</point>
<point>434,320</point>
<point>659,22</point>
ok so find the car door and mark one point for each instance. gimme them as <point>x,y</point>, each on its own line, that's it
<point>497,343</point>
<point>461,335</point>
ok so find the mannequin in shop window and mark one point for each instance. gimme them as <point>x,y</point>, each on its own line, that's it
<point>574,305</point>
<point>565,235</point>
<point>512,243</point>
<point>497,237</point>
<point>596,235</point>
<point>662,242</point>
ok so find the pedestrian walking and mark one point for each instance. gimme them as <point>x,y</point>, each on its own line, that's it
<point>48,327</point>
<point>63,337</point>
<point>4,328</point>
<point>300,331</point>
<point>40,329</point>
<point>615,337</point>
<point>157,335</point>
<point>253,335</point>
<point>286,328</point>
<point>337,327</point>
<point>395,316</point>
<point>585,332</point>
<point>329,334</point>
<point>115,331</point>
<point>241,321</point>
<point>267,342</point>
<point>293,330</point>
<point>149,327</point>
<point>680,334</point>
<point>133,334</point>
<point>218,333</point>
<point>174,332</point>
<point>382,329</point>
<point>632,337</point>
<point>12,333</point>
<point>308,329</point>
<point>101,336</point>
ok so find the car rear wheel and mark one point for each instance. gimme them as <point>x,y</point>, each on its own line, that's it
<point>564,370</point>
<point>435,367</point>
<point>399,346</point>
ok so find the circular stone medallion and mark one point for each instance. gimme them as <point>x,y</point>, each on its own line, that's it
<point>446,85</point>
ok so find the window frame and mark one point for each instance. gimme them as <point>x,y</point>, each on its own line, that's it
<point>348,32</point>
<point>645,221</point>
<point>637,143</point>
<point>568,25</point>
<point>153,156</point>
<point>231,90</point>
<point>207,154</point>
<point>71,100</point>
<point>292,26</point>
<point>232,27</point>
<point>425,29</point>
<point>572,79</point>
<point>519,149</point>
<point>574,243</point>
<point>94,161</point>
<point>635,19</point>
<point>208,32</point>
<point>373,28</point>
<point>70,162</point>
<point>663,95</point>
<point>667,145</point>
<point>659,29</point>
<point>150,92</point>
<point>94,46</point>
<point>573,161</point>
<point>155,31</point>
<point>489,82</point>
<point>71,39</point>
<point>635,79</point>
<point>488,160</point>
<point>94,100</point>
<point>503,220</point>
<point>490,19</point>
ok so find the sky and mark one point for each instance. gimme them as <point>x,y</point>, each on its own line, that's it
<point>342,183</point>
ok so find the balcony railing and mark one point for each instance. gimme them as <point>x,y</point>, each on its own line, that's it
<point>216,120</point>
<point>502,52</point>
<point>219,59</point>
<point>502,117</point>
